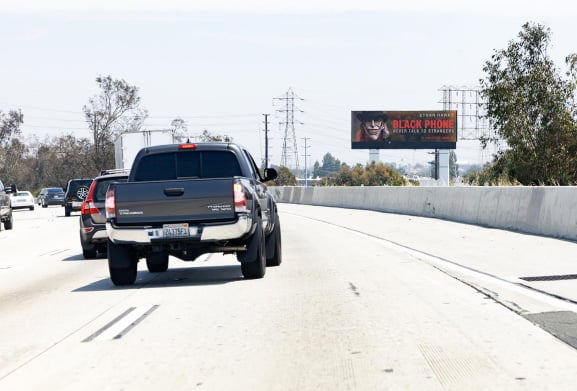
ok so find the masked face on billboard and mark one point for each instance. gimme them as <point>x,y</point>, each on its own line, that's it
<point>375,129</point>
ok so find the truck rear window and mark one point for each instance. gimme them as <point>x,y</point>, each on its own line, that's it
<point>187,164</point>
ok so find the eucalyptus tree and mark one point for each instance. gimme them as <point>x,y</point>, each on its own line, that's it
<point>114,110</point>
<point>531,107</point>
<point>9,127</point>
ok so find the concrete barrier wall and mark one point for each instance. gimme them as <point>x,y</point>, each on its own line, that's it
<point>548,211</point>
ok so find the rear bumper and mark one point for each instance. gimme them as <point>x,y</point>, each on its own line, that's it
<point>203,233</point>
<point>73,205</point>
<point>94,237</point>
<point>23,206</point>
<point>53,202</point>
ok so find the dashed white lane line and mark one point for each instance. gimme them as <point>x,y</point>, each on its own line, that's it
<point>122,324</point>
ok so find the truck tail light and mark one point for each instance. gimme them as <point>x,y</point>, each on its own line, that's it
<point>110,203</point>
<point>240,204</point>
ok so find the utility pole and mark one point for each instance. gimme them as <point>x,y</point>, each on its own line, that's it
<point>289,148</point>
<point>306,155</point>
<point>435,169</point>
<point>266,140</point>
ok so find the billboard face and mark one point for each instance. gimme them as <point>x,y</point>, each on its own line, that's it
<point>404,129</point>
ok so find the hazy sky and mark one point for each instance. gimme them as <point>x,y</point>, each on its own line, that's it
<point>220,65</point>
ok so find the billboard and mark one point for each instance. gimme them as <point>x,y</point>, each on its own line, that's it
<point>404,129</point>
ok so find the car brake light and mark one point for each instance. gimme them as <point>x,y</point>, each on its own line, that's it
<point>110,203</point>
<point>239,198</point>
<point>88,208</point>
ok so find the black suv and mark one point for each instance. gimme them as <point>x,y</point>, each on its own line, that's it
<point>93,236</point>
<point>76,192</point>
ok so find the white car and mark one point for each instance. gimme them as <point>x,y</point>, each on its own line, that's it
<point>22,200</point>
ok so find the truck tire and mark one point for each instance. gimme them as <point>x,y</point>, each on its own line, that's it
<point>122,264</point>
<point>253,261</point>
<point>157,263</point>
<point>274,246</point>
<point>89,253</point>
<point>9,223</point>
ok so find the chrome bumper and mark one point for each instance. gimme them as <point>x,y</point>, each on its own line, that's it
<point>145,235</point>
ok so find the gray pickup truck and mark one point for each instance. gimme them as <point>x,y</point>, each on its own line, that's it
<point>5,208</point>
<point>185,200</point>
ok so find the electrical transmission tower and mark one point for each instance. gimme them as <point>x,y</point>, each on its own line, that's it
<point>289,156</point>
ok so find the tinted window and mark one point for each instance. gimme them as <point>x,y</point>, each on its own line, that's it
<point>73,185</point>
<point>189,164</point>
<point>102,186</point>
<point>158,167</point>
<point>219,164</point>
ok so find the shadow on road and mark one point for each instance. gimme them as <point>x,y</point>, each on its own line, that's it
<point>175,277</point>
<point>80,257</point>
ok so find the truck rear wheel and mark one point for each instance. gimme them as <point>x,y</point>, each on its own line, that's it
<point>157,263</point>
<point>254,267</point>
<point>274,241</point>
<point>8,223</point>
<point>122,264</point>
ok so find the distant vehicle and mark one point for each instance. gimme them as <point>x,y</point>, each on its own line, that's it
<point>185,200</point>
<point>5,207</point>
<point>76,192</point>
<point>22,200</point>
<point>50,196</point>
<point>93,237</point>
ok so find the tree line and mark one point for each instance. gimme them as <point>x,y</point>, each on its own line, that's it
<point>53,161</point>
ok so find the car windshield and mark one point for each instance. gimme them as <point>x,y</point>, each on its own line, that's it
<point>55,191</point>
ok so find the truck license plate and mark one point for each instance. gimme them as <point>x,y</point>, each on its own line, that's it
<point>175,230</point>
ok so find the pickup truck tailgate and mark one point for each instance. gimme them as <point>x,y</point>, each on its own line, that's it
<point>200,200</point>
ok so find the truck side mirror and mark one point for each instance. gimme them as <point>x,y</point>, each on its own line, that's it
<point>270,174</point>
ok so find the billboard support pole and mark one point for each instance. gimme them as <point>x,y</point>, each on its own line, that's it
<point>443,167</point>
<point>374,155</point>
